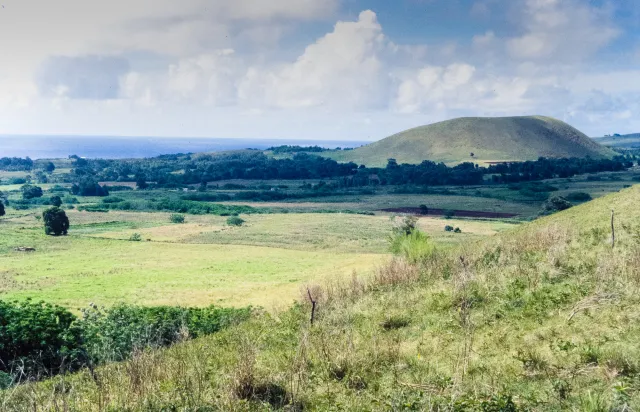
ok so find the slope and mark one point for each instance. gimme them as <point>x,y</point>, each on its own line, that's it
<point>542,318</point>
<point>488,139</point>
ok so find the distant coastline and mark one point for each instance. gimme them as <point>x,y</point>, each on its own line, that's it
<point>110,147</point>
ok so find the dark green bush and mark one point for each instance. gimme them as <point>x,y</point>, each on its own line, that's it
<point>55,201</point>
<point>56,222</point>
<point>235,221</point>
<point>42,339</point>
<point>579,197</point>
<point>31,192</point>
<point>114,334</point>
<point>2,211</point>
<point>448,228</point>
<point>555,204</point>
<point>38,340</point>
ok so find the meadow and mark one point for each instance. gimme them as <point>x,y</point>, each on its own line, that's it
<point>541,317</point>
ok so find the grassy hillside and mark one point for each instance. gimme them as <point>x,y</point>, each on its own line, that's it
<point>489,139</point>
<point>544,317</point>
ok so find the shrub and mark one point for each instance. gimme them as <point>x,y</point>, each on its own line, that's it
<point>135,237</point>
<point>579,197</point>
<point>415,247</point>
<point>235,221</point>
<point>2,211</point>
<point>31,192</point>
<point>55,201</point>
<point>41,339</point>
<point>448,228</point>
<point>406,226</point>
<point>176,218</point>
<point>114,334</point>
<point>424,210</point>
<point>448,214</point>
<point>457,230</point>
<point>555,204</point>
<point>38,340</point>
<point>56,222</point>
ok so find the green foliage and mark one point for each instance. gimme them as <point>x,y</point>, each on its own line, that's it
<point>55,201</point>
<point>415,247</point>
<point>176,218</point>
<point>56,222</point>
<point>2,211</point>
<point>39,338</point>
<point>448,228</point>
<point>424,210</point>
<point>579,197</point>
<point>114,334</point>
<point>136,237</point>
<point>235,221</point>
<point>31,192</point>
<point>89,187</point>
<point>406,226</point>
<point>555,204</point>
<point>175,205</point>
<point>448,214</point>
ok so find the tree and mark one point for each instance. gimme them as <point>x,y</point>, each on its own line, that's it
<point>55,201</point>
<point>555,204</point>
<point>30,192</point>
<point>56,222</point>
<point>50,167</point>
<point>141,181</point>
<point>2,212</point>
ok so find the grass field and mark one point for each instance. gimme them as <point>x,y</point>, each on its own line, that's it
<point>540,318</point>
<point>203,261</point>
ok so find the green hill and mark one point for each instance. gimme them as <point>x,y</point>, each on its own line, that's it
<point>489,139</point>
<point>541,318</point>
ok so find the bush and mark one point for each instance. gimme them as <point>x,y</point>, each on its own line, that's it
<point>135,237</point>
<point>555,204</point>
<point>448,228</point>
<point>55,201</point>
<point>38,340</point>
<point>415,247</point>
<point>424,210</point>
<point>41,339</point>
<point>457,230</point>
<point>56,222</point>
<point>448,214</point>
<point>114,334</point>
<point>176,218</point>
<point>235,221</point>
<point>31,192</point>
<point>2,211</point>
<point>579,197</point>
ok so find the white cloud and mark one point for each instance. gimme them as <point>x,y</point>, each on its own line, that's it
<point>561,31</point>
<point>344,67</point>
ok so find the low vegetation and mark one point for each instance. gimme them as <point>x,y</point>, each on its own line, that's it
<point>538,318</point>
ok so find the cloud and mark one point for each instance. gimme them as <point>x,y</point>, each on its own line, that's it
<point>561,31</point>
<point>344,67</point>
<point>83,77</point>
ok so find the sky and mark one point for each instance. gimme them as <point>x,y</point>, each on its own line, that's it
<point>313,69</point>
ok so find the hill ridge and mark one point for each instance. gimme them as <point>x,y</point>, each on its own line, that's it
<point>480,140</point>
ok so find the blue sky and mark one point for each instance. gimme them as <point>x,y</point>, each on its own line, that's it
<point>316,69</point>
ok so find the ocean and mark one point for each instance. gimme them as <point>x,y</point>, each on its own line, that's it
<point>109,147</point>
